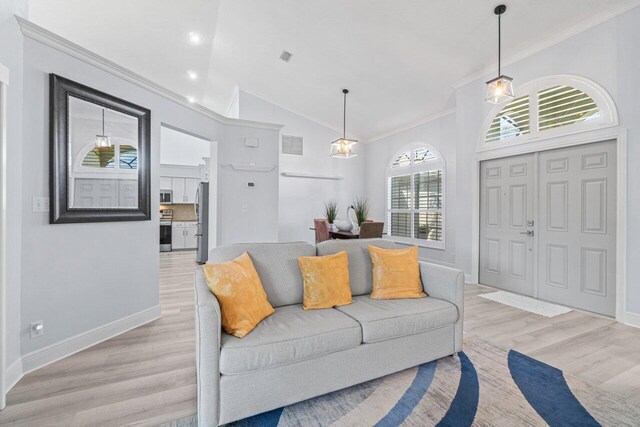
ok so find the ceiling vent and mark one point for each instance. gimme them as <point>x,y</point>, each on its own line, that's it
<point>286,56</point>
<point>292,145</point>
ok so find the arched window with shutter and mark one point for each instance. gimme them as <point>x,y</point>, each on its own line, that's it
<point>415,196</point>
<point>546,108</point>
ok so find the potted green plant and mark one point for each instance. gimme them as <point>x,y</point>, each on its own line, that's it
<point>360,207</point>
<point>331,212</point>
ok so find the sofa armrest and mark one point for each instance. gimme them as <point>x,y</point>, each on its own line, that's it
<point>208,330</point>
<point>447,284</point>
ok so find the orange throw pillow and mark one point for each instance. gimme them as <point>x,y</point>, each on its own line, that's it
<point>243,301</point>
<point>396,273</point>
<point>326,280</point>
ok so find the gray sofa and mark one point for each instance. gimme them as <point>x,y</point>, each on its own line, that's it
<point>295,355</point>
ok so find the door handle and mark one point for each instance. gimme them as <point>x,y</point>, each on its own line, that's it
<point>528,232</point>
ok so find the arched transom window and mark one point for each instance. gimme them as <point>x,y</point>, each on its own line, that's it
<point>120,156</point>
<point>549,107</point>
<point>415,196</point>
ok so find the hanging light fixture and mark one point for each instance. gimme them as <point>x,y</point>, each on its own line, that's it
<point>343,147</point>
<point>499,89</point>
<point>103,141</point>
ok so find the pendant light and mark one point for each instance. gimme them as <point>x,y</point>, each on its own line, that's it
<point>344,148</point>
<point>103,141</point>
<point>499,89</point>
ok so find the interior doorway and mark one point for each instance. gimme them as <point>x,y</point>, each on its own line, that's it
<point>187,175</point>
<point>548,225</point>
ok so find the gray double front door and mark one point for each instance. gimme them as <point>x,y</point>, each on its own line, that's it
<point>548,225</point>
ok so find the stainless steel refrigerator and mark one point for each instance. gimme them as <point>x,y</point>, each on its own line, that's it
<point>202,214</point>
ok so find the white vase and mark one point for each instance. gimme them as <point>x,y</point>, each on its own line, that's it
<point>355,228</point>
<point>343,225</point>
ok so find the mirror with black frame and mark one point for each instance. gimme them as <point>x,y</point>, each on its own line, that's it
<point>100,156</point>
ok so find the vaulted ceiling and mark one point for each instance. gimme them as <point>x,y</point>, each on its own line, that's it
<point>400,59</point>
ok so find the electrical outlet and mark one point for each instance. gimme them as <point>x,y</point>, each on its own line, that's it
<point>245,208</point>
<point>37,329</point>
<point>41,204</point>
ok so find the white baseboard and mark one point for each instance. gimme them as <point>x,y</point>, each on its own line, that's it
<point>12,375</point>
<point>468,278</point>
<point>54,352</point>
<point>632,319</point>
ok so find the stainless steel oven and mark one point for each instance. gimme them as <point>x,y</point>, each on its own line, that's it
<point>166,218</point>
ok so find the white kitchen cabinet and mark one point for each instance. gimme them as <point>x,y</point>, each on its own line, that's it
<point>190,240</point>
<point>177,235</point>
<point>190,189</point>
<point>184,189</point>
<point>183,235</point>
<point>177,188</point>
<point>165,183</point>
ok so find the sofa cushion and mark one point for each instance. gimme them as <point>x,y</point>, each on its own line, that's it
<point>289,335</point>
<point>360,276</point>
<point>385,319</point>
<point>276,264</point>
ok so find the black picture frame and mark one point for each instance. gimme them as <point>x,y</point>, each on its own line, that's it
<point>60,213</point>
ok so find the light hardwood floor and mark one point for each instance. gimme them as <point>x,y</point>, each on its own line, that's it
<point>147,376</point>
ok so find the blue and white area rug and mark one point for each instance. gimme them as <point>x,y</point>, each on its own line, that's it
<point>483,386</point>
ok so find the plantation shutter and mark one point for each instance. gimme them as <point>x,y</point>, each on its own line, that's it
<point>564,105</point>
<point>511,121</point>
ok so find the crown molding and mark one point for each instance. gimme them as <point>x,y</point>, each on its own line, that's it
<point>316,121</point>
<point>548,42</point>
<point>412,125</point>
<point>46,37</point>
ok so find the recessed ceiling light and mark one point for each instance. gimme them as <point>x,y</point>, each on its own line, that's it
<point>194,38</point>
<point>286,56</point>
<point>192,75</point>
<point>191,99</point>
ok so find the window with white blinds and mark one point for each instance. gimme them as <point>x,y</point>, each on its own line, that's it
<point>513,120</point>
<point>549,107</point>
<point>415,197</point>
<point>564,105</point>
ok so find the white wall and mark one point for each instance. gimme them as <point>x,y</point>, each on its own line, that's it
<point>441,134</point>
<point>179,148</point>
<point>606,54</point>
<point>76,277</point>
<point>302,199</point>
<point>259,221</point>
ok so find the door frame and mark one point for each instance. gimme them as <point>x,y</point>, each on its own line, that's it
<point>213,178</point>
<point>617,134</point>
<point>4,84</point>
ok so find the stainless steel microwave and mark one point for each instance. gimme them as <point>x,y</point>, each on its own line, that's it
<point>166,197</point>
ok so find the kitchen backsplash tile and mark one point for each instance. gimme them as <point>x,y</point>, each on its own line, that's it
<point>182,212</point>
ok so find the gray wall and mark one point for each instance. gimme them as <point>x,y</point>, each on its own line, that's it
<point>441,134</point>
<point>302,199</point>
<point>76,277</point>
<point>606,54</point>
<point>260,221</point>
